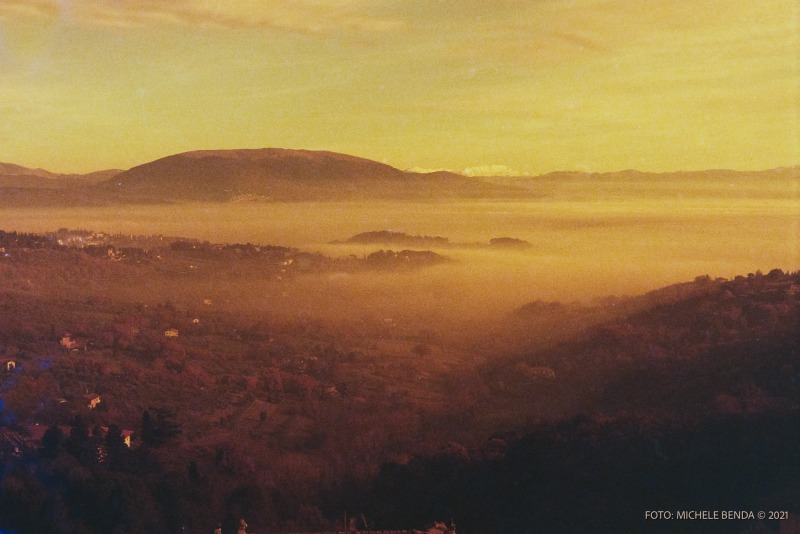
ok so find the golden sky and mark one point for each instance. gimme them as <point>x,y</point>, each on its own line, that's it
<point>531,85</point>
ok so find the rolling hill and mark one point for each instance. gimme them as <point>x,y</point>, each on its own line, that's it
<point>284,174</point>
<point>17,176</point>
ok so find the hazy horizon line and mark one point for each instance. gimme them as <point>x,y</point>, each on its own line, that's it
<point>481,170</point>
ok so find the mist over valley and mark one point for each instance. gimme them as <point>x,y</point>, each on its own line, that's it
<point>382,350</point>
<point>352,267</point>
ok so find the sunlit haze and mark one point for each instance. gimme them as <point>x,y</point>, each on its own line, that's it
<point>399,265</point>
<point>524,87</point>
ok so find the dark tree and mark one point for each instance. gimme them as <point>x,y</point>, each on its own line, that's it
<point>159,428</point>
<point>51,442</point>
<point>78,443</point>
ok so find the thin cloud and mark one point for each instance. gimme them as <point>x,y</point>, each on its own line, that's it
<point>28,7</point>
<point>305,16</point>
<point>580,41</point>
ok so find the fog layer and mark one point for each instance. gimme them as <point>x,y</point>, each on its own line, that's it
<point>581,248</point>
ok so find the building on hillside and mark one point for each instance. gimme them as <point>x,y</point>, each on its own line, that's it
<point>68,342</point>
<point>127,435</point>
<point>72,342</point>
<point>172,332</point>
<point>91,400</point>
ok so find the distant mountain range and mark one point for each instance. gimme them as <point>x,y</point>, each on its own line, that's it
<point>16,176</point>
<point>282,174</point>
<point>293,175</point>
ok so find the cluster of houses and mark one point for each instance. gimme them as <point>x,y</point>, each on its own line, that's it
<point>79,238</point>
<point>36,432</point>
<point>76,342</point>
<point>89,401</point>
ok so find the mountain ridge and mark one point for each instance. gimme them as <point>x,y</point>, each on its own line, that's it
<point>287,174</point>
<point>283,174</point>
<point>19,177</point>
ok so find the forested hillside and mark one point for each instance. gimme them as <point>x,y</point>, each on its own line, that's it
<point>559,418</point>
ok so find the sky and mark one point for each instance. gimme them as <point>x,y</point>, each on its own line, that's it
<point>516,86</point>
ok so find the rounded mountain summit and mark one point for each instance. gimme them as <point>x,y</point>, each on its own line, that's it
<point>286,174</point>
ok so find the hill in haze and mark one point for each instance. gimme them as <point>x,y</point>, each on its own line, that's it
<point>25,187</point>
<point>716,183</point>
<point>284,174</point>
<point>19,177</point>
<point>295,175</point>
